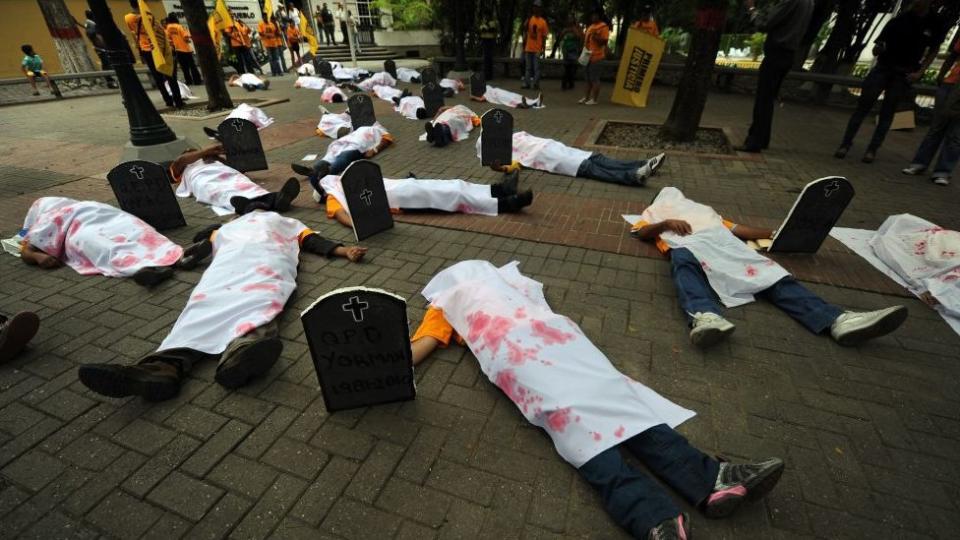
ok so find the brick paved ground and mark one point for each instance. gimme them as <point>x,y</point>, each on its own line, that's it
<point>870,435</point>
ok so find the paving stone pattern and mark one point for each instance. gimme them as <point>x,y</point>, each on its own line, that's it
<point>870,434</point>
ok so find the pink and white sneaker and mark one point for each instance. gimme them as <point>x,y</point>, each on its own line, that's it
<point>677,528</point>
<point>738,483</point>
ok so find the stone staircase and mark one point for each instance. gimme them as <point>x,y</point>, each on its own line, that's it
<point>341,53</point>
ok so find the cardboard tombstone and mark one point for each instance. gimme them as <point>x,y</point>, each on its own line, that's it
<point>432,94</point>
<point>428,75</point>
<point>143,189</point>
<point>390,67</point>
<point>323,69</point>
<point>815,212</point>
<point>241,144</point>
<point>307,57</point>
<point>360,347</point>
<point>496,138</point>
<point>367,202</point>
<point>360,107</point>
<point>478,85</point>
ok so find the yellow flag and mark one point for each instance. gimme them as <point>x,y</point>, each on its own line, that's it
<point>162,51</point>
<point>214,33</point>
<point>641,58</point>
<point>307,31</point>
<point>267,10</point>
<point>221,16</point>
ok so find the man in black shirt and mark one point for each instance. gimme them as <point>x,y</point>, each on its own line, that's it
<point>904,50</point>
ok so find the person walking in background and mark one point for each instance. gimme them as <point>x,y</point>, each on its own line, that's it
<point>293,41</point>
<point>595,41</point>
<point>904,50</point>
<point>270,37</point>
<point>570,42</point>
<point>352,23</point>
<point>99,46</point>
<point>342,19</point>
<point>488,30</point>
<point>134,23</point>
<point>944,132</point>
<point>179,37</point>
<point>534,37</point>
<point>326,24</point>
<point>646,22</point>
<point>785,23</point>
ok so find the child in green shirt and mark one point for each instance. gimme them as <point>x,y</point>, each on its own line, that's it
<point>32,66</point>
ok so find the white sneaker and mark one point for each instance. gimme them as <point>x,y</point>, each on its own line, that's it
<point>656,162</point>
<point>710,329</point>
<point>582,100</point>
<point>853,328</point>
<point>914,169</point>
<point>317,197</point>
<point>589,102</point>
<point>941,180</point>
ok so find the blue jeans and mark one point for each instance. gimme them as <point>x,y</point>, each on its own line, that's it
<point>600,167</point>
<point>894,86</point>
<point>337,166</point>
<point>943,135</point>
<point>696,296</point>
<point>532,74</point>
<point>633,499</point>
<point>275,61</point>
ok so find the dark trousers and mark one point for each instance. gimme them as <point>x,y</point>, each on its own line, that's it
<point>633,499</point>
<point>943,135</point>
<point>569,73</point>
<point>605,169</point>
<point>184,358</point>
<point>774,68</point>
<point>488,46</point>
<point>343,30</point>
<point>191,75</point>
<point>275,53</point>
<point>337,166</point>
<point>328,33</point>
<point>106,66</point>
<point>696,296</point>
<point>245,60</point>
<point>893,84</point>
<point>171,98</point>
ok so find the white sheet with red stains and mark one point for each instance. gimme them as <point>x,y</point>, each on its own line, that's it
<point>95,238</point>
<point>363,139</point>
<point>424,194</point>
<point>329,92</point>
<point>387,93</point>
<point>253,273</point>
<point>499,96</point>
<point>214,183</point>
<point>544,363</point>
<point>252,114</point>
<point>459,119</point>
<point>381,78</point>
<point>312,83</point>
<point>545,154</point>
<point>330,123</point>
<point>408,107</point>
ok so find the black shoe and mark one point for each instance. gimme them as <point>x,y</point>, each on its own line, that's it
<point>243,205</point>
<point>431,132</point>
<point>302,170</point>
<point>396,101</point>
<point>514,203</point>
<point>841,152</point>
<point>411,175</point>
<point>736,484</point>
<point>286,195</point>
<point>406,93</point>
<point>249,361</point>
<point>507,186</point>
<point>204,233</point>
<point>748,148</point>
<point>15,333</point>
<point>422,114</point>
<point>212,133</point>
<point>195,254</point>
<point>152,275</point>
<point>677,528</point>
<point>153,381</point>
<point>869,156</point>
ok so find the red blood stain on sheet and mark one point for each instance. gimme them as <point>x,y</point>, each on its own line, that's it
<point>596,436</point>
<point>517,355</point>
<point>491,329</point>
<point>271,287</point>
<point>199,297</point>
<point>548,334</point>
<point>558,420</point>
<point>245,186</point>
<point>618,433</point>
<point>264,270</point>
<point>119,239</point>
<point>151,240</point>
<point>125,262</point>
<point>275,308</point>
<point>464,208</point>
<point>521,313</point>
<point>74,227</point>
<point>244,328</point>
<point>751,271</point>
<point>171,256</point>
<point>224,175</point>
<point>920,248</point>
<point>506,380</point>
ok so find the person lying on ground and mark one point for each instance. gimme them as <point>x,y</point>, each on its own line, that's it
<point>413,194</point>
<point>710,264</point>
<point>499,96</point>
<point>97,239</point>
<point>231,313</point>
<point>451,124</point>
<point>249,82</point>
<point>450,87</point>
<point>313,83</point>
<point>410,106</point>
<point>389,93</point>
<point>203,174</point>
<point>555,157</point>
<point>334,125</point>
<point>15,333</point>
<point>408,75</point>
<point>246,112</point>
<point>362,143</point>
<point>381,78</point>
<point>561,382</point>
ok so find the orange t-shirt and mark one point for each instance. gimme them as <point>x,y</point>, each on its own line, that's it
<point>239,35</point>
<point>661,245</point>
<point>179,36</point>
<point>536,30</point>
<point>954,76</point>
<point>138,31</point>
<point>269,34</point>
<point>293,34</point>
<point>649,26</point>
<point>596,40</point>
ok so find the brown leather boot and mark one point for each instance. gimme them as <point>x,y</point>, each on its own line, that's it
<point>153,381</point>
<point>248,359</point>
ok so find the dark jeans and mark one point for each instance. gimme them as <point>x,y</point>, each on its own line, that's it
<point>569,73</point>
<point>696,296</point>
<point>943,135</point>
<point>106,66</point>
<point>246,61</point>
<point>774,68</point>
<point>633,499</point>
<point>184,358</point>
<point>893,84</point>
<point>275,53</point>
<point>600,167</point>
<point>191,75</point>
<point>337,166</point>
<point>488,45</point>
<point>343,30</point>
<point>171,98</point>
<point>531,68</point>
<point>328,34</point>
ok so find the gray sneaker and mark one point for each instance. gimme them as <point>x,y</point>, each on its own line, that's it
<point>677,528</point>
<point>736,484</point>
<point>914,169</point>
<point>852,328</point>
<point>709,329</point>
<point>941,180</point>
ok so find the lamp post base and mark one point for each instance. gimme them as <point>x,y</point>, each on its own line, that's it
<point>157,153</point>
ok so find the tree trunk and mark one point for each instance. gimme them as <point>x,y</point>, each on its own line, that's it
<point>217,96</point>
<point>691,97</point>
<point>459,36</point>
<point>821,12</point>
<point>830,56</point>
<point>67,38</point>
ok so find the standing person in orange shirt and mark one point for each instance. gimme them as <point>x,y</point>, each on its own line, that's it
<point>180,38</point>
<point>142,40</point>
<point>240,43</point>
<point>272,42</point>
<point>293,42</point>
<point>596,42</point>
<point>534,37</point>
<point>646,22</point>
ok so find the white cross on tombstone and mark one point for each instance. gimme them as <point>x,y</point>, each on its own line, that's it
<point>498,116</point>
<point>366,194</point>
<point>830,188</point>
<point>356,308</point>
<point>137,171</point>
<point>237,125</point>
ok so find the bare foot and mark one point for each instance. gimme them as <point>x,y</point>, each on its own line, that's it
<point>34,256</point>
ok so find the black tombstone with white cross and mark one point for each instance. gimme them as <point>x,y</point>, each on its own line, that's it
<point>478,86</point>
<point>390,67</point>
<point>428,75</point>
<point>241,144</point>
<point>496,138</point>
<point>143,188</point>
<point>367,202</point>
<point>360,345</point>
<point>360,107</point>
<point>815,212</point>
<point>432,95</point>
<point>323,68</point>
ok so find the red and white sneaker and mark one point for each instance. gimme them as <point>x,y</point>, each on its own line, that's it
<point>738,483</point>
<point>677,528</point>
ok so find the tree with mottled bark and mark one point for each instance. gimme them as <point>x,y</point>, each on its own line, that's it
<point>67,39</point>
<point>691,98</point>
<point>217,95</point>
